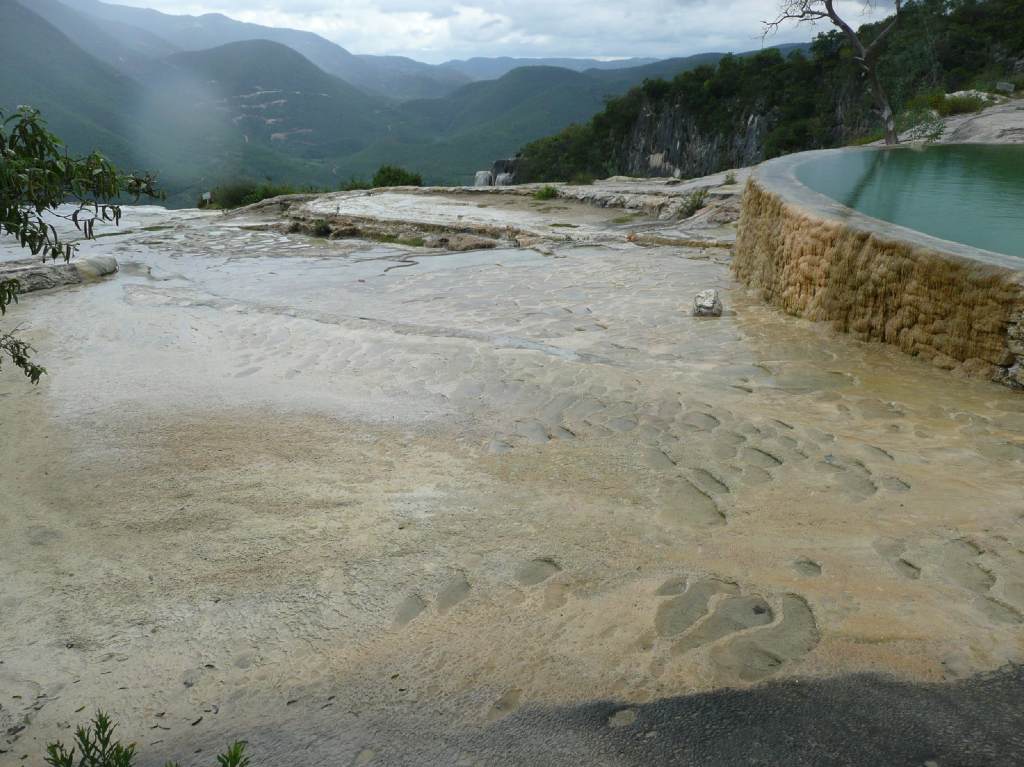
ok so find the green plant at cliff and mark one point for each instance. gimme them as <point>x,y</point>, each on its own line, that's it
<point>390,175</point>
<point>238,194</point>
<point>545,193</point>
<point>95,746</point>
<point>37,174</point>
<point>693,202</point>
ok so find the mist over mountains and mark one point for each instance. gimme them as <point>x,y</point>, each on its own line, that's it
<point>207,99</point>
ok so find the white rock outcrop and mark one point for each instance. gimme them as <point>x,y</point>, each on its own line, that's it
<point>707,303</point>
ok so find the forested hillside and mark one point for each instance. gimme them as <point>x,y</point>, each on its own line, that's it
<point>744,110</point>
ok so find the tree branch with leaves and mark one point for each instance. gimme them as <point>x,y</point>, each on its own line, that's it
<point>866,55</point>
<point>37,176</point>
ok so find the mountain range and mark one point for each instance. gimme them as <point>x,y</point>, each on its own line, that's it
<point>206,99</point>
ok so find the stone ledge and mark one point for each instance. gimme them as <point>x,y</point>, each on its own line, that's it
<point>958,307</point>
<point>35,275</point>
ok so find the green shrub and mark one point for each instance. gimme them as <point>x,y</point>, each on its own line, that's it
<point>693,202</point>
<point>871,138</point>
<point>581,179</point>
<point>238,194</point>
<point>321,228</point>
<point>390,175</point>
<point>730,178</point>
<point>94,746</point>
<point>945,105</point>
<point>921,124</point>
<point>961,105</point>
<point>355,184</point>
<point>545,193</point>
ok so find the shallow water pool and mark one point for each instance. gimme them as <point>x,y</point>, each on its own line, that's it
<point>968,193</point>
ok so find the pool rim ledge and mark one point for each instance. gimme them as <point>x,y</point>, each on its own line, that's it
<point>1002,351</point>
<point>778,176</point>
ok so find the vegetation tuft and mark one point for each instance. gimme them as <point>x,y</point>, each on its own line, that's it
<point>390,175</point>
<point>693,202</point>
<point>545,193</point>
<point>238,194</point>
<point>95,746</point>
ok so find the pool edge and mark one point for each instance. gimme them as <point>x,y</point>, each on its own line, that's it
<point>959,307</point>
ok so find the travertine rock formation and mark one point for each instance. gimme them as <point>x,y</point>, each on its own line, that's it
<point>954,311</point>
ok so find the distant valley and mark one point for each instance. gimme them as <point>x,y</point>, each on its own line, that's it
<point>208,99</point>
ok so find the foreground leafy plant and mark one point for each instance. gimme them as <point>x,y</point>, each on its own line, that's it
<point>38,174</point>
<point>95,746</point>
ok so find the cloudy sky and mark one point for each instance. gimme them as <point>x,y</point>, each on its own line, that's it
<point>437,30</point>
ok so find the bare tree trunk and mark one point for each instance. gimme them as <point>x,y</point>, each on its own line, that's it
<point>884,108</point>
<point>816,10</point>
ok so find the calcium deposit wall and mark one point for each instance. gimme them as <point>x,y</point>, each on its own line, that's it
<point>958,307</point>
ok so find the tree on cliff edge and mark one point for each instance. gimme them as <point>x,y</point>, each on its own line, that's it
<point>865,55</point>
<point>37,174</point>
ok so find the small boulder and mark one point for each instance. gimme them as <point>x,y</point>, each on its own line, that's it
<point>707,303</point>
<point>1007,88</point>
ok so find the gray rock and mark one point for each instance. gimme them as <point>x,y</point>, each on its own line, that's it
<point>1007,88</point>
<point>460,242</point>
<point>707,303</point>
<point>39,275</point>
<point>484,178</point>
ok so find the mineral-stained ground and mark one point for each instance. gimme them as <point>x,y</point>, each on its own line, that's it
<point>364,502</point>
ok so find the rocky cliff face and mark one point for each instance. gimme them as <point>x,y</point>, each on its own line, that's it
<point>667,141</point>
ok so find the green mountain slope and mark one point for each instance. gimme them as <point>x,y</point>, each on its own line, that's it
<point>393,76</point>
<point>544,95</point>
<point>471,128</point>
<point>87,103</point>
<point>622,80</point>
<point>128,49</point>
<point>484,68</point>
<point>272,95</point>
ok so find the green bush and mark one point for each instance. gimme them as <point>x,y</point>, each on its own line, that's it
<point>545,193</point>
<point>238,194</point>
<point>871,138</point>
<point>390,175</point>
<point>94,746</point>
<point>961,105</point>
<point>945,105</point>
<point>354,185</point>
<point>693,202</point>
<point>730,178</point>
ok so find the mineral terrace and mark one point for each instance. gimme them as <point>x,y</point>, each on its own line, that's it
<point>463,481</point>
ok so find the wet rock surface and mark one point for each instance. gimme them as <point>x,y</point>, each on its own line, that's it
<point>377,503</point>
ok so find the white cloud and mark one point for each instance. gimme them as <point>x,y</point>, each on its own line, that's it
<point>435,30</point>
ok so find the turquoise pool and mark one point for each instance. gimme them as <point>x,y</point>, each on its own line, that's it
<point>968,193</point>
